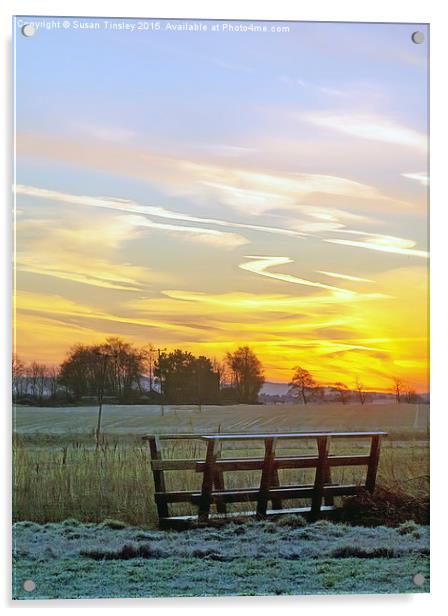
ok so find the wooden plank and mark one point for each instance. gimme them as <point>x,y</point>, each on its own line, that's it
<point>288,462</point>
<point>179,496</point>
<point>235,464</point>
<point>343,490</point>
<point>173,437</point>
<point>289,435</point>
<point>174,465</point>
<point>252,494</point>
<point>189,521</point>
<point>229,496</point>
<point>375,447</point>
<point>348,460</point>
<point>323,443</point>
<point>158,476</point>
<point>266,476</point>
<point>207,482</point>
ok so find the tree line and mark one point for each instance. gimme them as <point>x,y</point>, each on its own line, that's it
<point>122,372</point>
<point>304,387</point>
<point>126,373</point>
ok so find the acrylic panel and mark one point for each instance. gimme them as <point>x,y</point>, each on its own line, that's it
<point>220,362</point>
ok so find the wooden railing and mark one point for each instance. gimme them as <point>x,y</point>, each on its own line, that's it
<point>321,492</point>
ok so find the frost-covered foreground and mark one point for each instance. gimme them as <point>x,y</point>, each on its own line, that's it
<point>74,560</point>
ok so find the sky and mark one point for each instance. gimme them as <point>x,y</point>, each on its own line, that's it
<point>208,189</point>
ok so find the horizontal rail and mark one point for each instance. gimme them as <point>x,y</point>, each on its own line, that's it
<point>261,436</point>
<point>174,465</point>
<point>289,436</point>
<point>251,494</point>
<point>253,464</point>
<point>181,496</point>
<point>165,437</point>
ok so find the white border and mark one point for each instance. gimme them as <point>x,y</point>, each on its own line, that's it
<point>421,11</point>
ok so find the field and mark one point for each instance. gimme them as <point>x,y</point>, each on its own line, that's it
<point>59,474</point>
<point>410,419</point>
<point>73,560</point>
<point>65,489</point>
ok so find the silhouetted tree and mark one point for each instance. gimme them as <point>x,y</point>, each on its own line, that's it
<point>18,377</point>
<point>302,384</point>
<point>83,372</point>
<point>342,392</point>
<point>360,390</point>
<point>411,395</point>
<point>148,355</point>
<point>247,374</point>
<point>53,379</point>
<point>37,376</point>
<point>398,389</point>
<point>187,379</point>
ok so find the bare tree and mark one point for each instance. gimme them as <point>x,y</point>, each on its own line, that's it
<point>53,379</point>
<point>410,395</point>
<point>398,389</point>
<point>302,384</point>
<point>37,376</point>
<point>342,392</point>
<point>360,390</point>
<point>220,368</point>
<point>148,355</point>
<point>18,374</point>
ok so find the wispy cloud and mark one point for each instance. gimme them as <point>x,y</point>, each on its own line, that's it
<point>343,276</point>
<point>245,187</point>
<point>197,234</point>
<point>260,265</point>
<point>421,177</point>
<point>257,192</point>
<point>382,243</point>
<point>129,206</point>
<point>72,249</point>
<point>370,127</point>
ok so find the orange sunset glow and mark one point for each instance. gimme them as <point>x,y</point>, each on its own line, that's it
<point>249,200</point>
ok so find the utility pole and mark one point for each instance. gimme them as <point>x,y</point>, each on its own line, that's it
<point>100,393</point>
<point>162,393</point>
<point>149,351</point>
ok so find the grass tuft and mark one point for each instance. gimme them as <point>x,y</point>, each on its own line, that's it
<point>114,524</point>
<point>353,551</point>
<point>126,552</point>
<point>294,521</point>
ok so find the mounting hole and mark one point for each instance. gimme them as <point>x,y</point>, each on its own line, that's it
<point>418,579</point>
<point>28,30</point>
<point>28,585</point>
<point>417,37</point>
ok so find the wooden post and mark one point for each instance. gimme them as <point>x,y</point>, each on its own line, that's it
<point>372,468</point>
<point>266,476</point>
<point>328,500</point>
<point>207,482</point>
<point>155,451</point>
<point>323,445</point>
<point>218,480</point>
<point>276,502</point>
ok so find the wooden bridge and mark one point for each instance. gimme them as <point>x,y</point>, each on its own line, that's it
<point>321,492</point>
